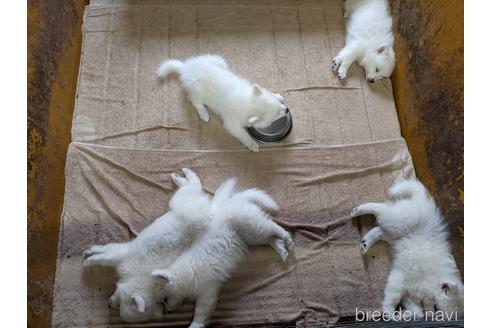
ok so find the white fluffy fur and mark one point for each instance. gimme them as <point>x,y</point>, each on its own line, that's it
<point>424,274</point>
<point>368,41</point>
<point>237,223</point>
<point>190,224</point>
<point>210,84</point>
<point>156,246</point>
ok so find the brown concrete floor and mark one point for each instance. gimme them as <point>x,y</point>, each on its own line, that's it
<point>428,87</point>
<point>53,40</point>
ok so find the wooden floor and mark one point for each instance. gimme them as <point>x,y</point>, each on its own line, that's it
<point>428,88</point>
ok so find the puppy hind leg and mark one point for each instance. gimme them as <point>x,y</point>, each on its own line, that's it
<point>266,230</point>
<point>178,180</point>
<point>279,246</point>
<point>192,177</point>
<point>258,197</point>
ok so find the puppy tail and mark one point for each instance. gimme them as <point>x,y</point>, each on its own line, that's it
<point>224,193</point>
<point>258,197</point>
<point>408,188</point>
<point>168,67</point>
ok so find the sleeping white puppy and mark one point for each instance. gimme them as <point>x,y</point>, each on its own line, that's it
<point>239,103</point>
<point>157,246</point>
<point>369,40</point>
<point>424,275</point>
<point>237,222</point>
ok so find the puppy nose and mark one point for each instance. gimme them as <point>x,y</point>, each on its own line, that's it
<point>286,110</point>
<point>370,80</point>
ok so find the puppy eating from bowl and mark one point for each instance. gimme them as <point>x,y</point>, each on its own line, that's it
<point>240,104</point>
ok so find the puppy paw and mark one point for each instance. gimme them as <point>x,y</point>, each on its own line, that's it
<point>355,212</point>
<point>188,173</point>
<point>88,262</point>
<point>283,253</point>
<point>205,117</point>
<point>94,249</point>
<point>363,246</point>
<point>289,242</point>
<point>113,302</point>
<point>88,252</point>
<point>342,73</point>
<point>335,63</point>
<point>197,325</point>
<point>178,180</point>
<point>253,146</point>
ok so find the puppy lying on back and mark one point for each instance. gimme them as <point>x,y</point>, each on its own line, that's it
<point>239,103</point>
<point>237,222</point>
<point>368,40</point>
<point>160,244</point>
<point>156,246</point>
<point>424,275</point>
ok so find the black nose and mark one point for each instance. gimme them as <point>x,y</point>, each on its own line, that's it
<point>286,110</point>
<point>370,80</point>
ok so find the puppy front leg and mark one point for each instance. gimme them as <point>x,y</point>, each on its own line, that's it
<point>368,208</point>
<point>204,307</point>
<point>342,62</point>
<point>371,237</point>
<point>106,255</point>
<point>199,108</point>
<point>173,302</point>
<point>239,132</point>
<point>114,300</point>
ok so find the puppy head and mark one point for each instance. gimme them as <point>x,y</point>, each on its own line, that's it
<point>268,107</point>
<point>450,297</point>
<point>138,304</point>
<point>379,63</point>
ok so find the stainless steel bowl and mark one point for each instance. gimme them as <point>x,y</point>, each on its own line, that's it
<point>278,130</point>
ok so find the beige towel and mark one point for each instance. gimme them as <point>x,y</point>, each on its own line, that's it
<point>130,132</point>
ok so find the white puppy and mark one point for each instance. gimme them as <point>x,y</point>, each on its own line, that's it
<point>424,273</point>
<point>240,104</point>
<point>369,40</point>
<point>157,246</point>
<point>237,222</point>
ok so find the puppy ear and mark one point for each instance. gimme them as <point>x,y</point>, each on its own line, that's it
<point>162,276</point>
<point>383,48</point>
<point>257,90</point>
<point>449,288</point>
<point>252,120</point>
<point>138,302</point>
